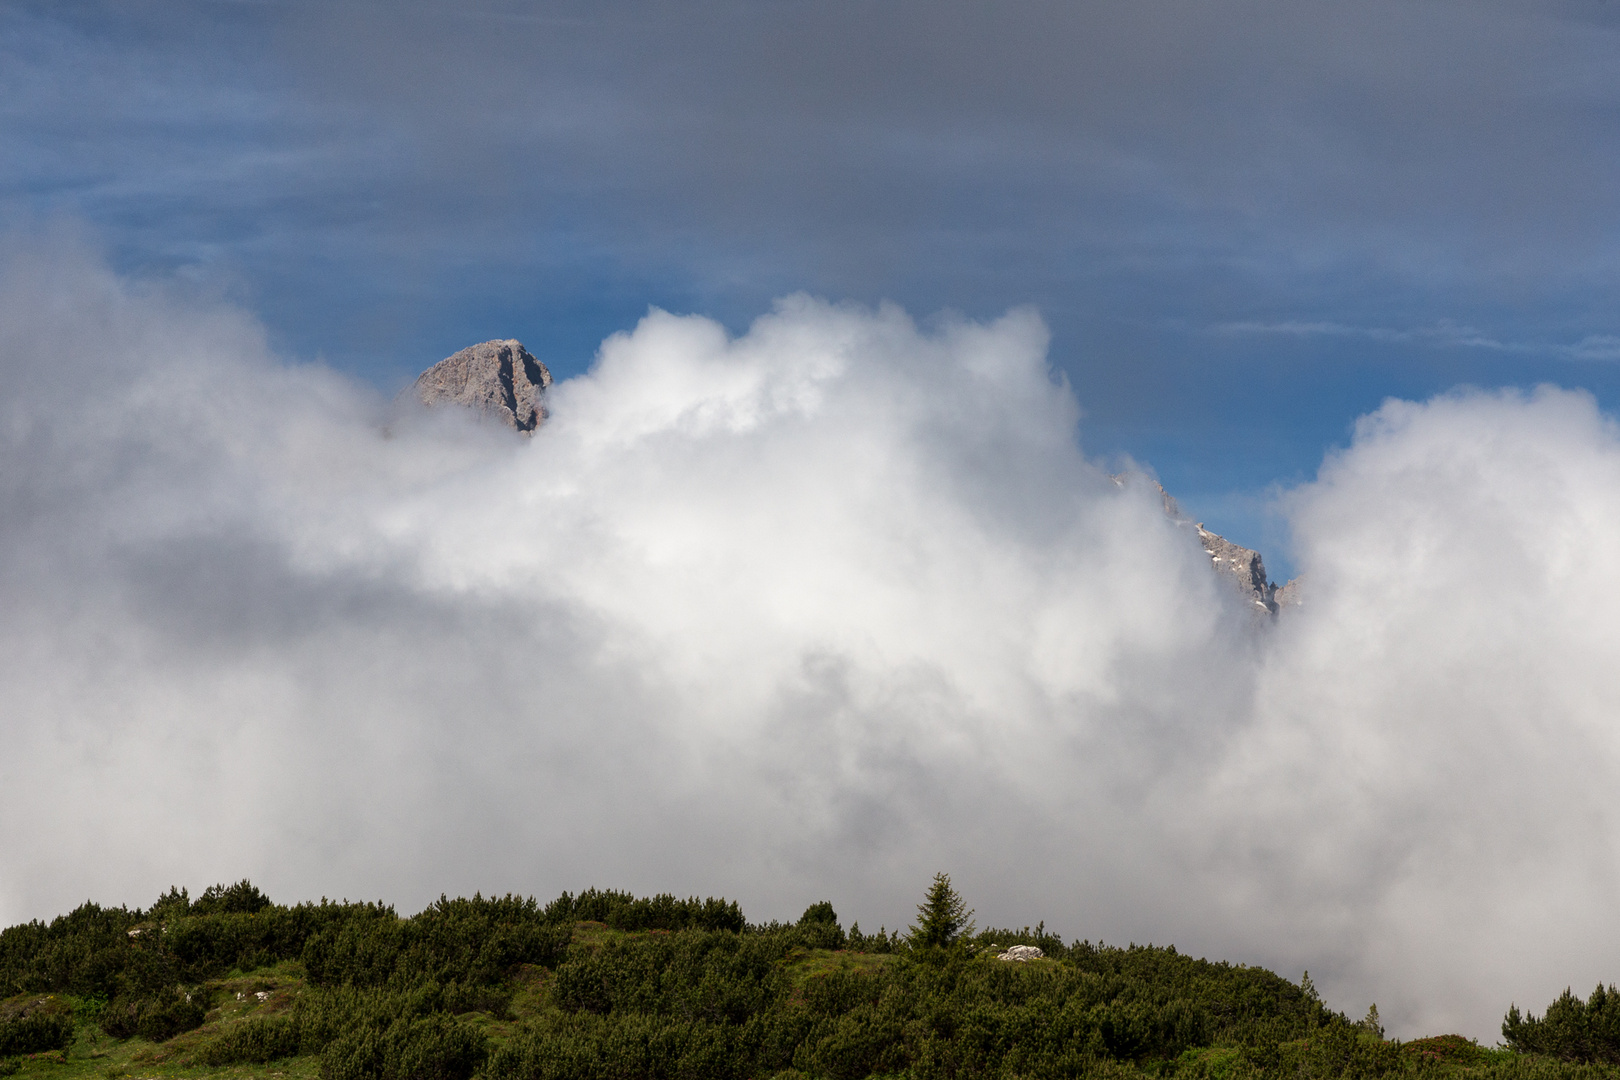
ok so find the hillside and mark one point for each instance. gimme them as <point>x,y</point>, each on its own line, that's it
<point>607,985</point>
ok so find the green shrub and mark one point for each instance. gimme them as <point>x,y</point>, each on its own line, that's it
<point>243,898</point>
<point>871,1038</point>
<point>433,1047</point>
<point>475,941</point>
<point>162,1019</point>
<point>700,993</point>
<point>1345,1051</point>
<point>819,913</point>
<point>158,1018</point>
<point>257,1039</point>
<point>35,1031</point>
<point>105,953</point>
<point>1445,1050</point>
<point>623,911</point>
<point>609,1048</point>
<point>882,942</point>
<point>1571,1029</point>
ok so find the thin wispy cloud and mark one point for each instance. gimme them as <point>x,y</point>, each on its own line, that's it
<point>1443,334</point>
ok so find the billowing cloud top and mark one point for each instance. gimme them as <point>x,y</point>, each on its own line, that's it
<point>808,612</point>
<point>1245,223</point>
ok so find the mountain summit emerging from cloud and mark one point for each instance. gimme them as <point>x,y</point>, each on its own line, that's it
<point>818,608</point>
<point>1215,207</point>
<point>497,378</point>
<point>504,381</point>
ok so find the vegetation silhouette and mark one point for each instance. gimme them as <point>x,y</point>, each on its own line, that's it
<point>943,917</point>
<point>604,985</point>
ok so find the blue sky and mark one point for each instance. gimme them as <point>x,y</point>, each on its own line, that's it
<point>1245,223</point>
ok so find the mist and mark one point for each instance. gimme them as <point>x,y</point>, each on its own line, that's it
<point>807,612</point>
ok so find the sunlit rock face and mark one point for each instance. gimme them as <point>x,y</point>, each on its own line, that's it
<point>1241,566</point>
<point>1291,595</point>
<point>498,378</point>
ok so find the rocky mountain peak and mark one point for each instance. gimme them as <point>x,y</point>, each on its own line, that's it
<point>497,378</point>
<point>1241,566</point>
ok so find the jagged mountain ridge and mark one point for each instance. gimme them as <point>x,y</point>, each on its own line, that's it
<point>501,378</point>
<point>1243,567</point>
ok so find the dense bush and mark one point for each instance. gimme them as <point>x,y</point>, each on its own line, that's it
<point>955,1012</point>
<point>622,911</point>
<point>586,1047</point>
<point>359,1034</point>
<point>243,898</point>
<point>664,987</point>
<point>433,1047</point>
<point>709,995</point>
<point>608,985</point>
<point>259,1039</point>
<point>117,952</point>
<point>158,1017</point>
<point>1571,1029</point>
<point>34,1030</point>
<point>883,942</point>
<point>465,941</point>
<point>86,951</point>
<point>820,913</point>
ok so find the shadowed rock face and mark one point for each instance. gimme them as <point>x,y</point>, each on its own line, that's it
<point>498,378</point>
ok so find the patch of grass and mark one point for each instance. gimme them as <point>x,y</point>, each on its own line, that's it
<point>595,935</point>
<point>531,996</point>
<point>1213,1062</point>
<point>806,964</point>
<point>281,971</point>
<point>95,1057</point>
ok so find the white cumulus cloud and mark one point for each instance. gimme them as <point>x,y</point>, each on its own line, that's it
<point>805,613</point>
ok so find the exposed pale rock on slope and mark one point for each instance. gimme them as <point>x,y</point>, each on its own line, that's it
<point>1023,954</point>
<point>498,378</point>
<point>1241,566</point>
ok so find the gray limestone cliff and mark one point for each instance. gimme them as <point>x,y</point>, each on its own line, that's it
<point>1241,566</point>
<point>497,378</point>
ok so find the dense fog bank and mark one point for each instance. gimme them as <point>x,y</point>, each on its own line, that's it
<point>808,613</point>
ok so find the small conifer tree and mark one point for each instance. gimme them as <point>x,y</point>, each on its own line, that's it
<point>821,912</point>
<point>942,917</point>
